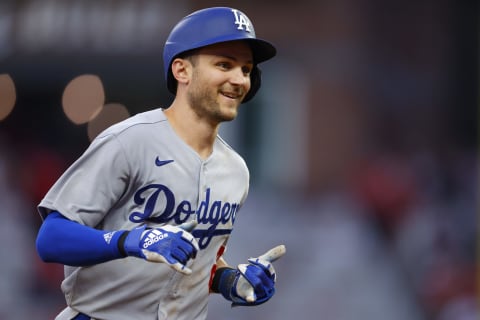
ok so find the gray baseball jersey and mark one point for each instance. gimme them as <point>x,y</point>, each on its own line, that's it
<point>140,172</point>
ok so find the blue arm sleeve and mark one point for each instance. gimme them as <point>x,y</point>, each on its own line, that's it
<point>67,242</point>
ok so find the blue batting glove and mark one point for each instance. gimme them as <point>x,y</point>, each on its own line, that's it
<point>173,245</point>
<point>250,284</point>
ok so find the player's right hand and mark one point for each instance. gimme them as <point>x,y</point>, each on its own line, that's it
<point>173,245</point>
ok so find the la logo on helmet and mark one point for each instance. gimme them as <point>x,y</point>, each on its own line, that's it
<point>241,20</point>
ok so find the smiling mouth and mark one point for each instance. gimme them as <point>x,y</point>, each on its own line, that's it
<point>232,92</point>
<point>232,95</point>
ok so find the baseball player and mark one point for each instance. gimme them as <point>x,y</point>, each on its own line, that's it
<point>141,220</point>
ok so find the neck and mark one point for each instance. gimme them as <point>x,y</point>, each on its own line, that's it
<point>196,132</point>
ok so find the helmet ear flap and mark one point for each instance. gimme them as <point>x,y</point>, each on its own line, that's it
<point>255,83</point>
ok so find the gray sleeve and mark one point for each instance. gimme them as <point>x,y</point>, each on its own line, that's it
<point>91,185</point>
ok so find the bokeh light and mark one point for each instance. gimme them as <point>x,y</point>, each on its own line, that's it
<point>83,98</point>
<point>8,96</point>
<point>110,114</point>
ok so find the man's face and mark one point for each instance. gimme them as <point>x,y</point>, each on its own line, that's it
<point>220,80</point>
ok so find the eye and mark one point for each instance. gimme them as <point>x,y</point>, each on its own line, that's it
<point>247,70</point>
<point>223,65</point>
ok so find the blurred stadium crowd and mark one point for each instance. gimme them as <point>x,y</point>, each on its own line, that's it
<point>362,146</point>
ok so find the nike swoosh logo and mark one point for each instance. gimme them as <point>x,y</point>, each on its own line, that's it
<point>160,163</point>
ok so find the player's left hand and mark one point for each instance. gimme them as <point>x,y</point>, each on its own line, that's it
<point>252,283</point>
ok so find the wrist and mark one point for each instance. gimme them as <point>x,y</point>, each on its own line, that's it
<point>121,243</point>
<point>223,281</point>
<point>129,242</point>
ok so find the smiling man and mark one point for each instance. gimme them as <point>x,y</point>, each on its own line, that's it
<point>219,70</point>
<point>142,218</point>
<point>212,82</point>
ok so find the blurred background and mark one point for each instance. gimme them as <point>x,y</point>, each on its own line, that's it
<point>362,146</point>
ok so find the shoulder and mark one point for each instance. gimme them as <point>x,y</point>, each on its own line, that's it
<point>136,124</point>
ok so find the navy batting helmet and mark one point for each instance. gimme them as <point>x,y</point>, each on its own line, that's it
<point>214,25</point>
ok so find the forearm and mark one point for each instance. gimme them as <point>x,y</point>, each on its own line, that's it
<point>221,263</point>
<point>67,242</point>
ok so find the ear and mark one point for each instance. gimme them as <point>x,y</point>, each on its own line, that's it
<point>181,70</point>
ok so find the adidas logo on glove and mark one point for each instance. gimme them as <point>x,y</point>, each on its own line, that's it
<point>153,237</point>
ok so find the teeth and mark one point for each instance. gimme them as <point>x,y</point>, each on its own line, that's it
<point>233,96</point>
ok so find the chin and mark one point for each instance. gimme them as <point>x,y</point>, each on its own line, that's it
<point>228,117</point>
<point>229,113</point>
